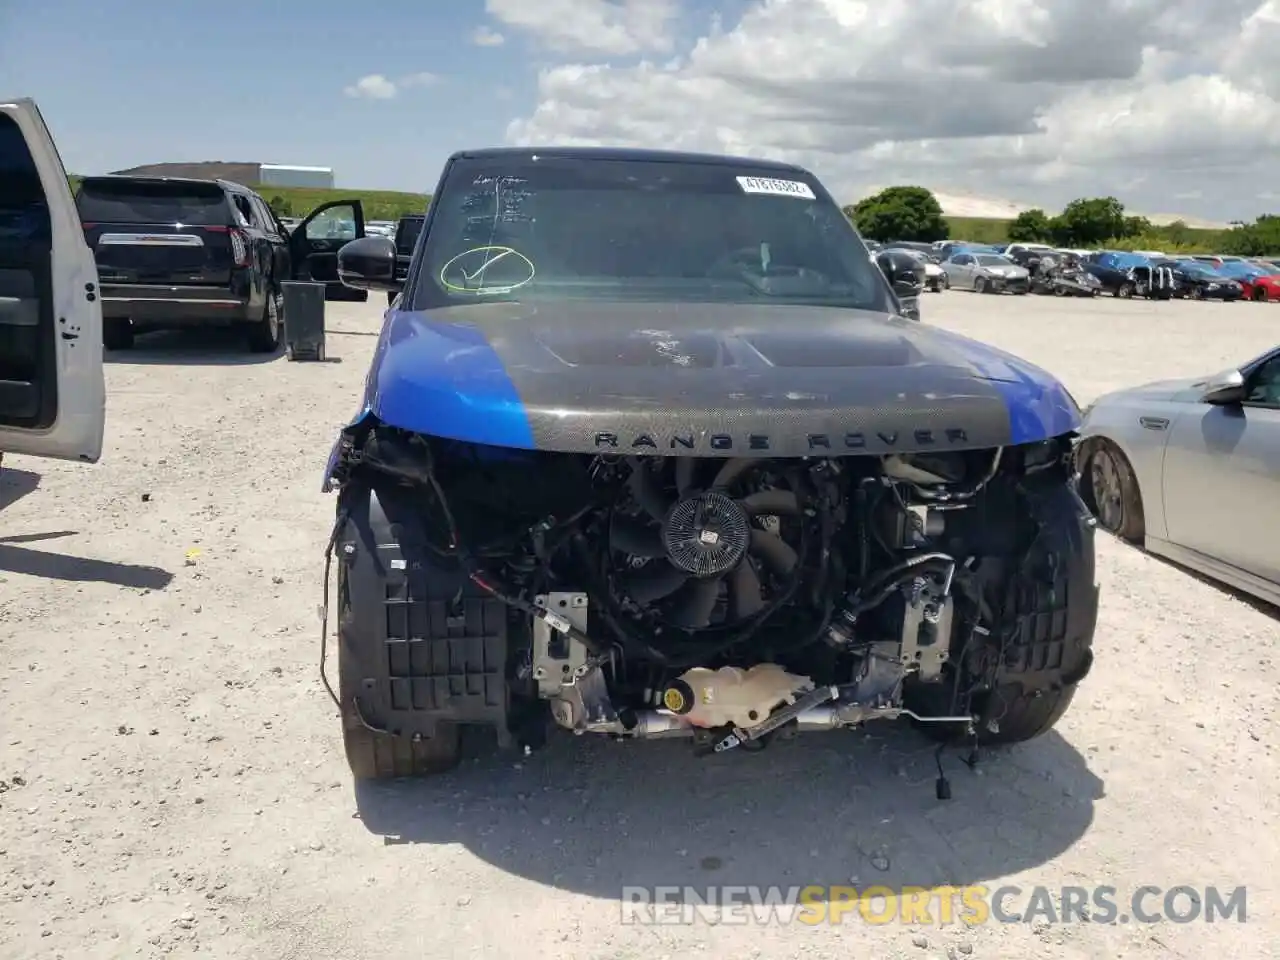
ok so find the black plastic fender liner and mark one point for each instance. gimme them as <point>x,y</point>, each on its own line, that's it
<point>418,644</point>
<point>1057,606</point>
<point>1044,635</point>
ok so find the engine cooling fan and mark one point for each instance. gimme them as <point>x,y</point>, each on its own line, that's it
<point>703,544</point>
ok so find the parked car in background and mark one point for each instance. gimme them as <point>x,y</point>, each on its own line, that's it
<point>52,393</point>
<point>1014,250</point>
<point>952,247</point>
<point>932,276</point>
<point>1190,470</point>
<point>1028,255</point>
<point>406,235</point>
<point>986,273</point>
<point>1062,274</point>
<point>1199,281</point>
<point>175,252</point>
<point>904,271</point>
<point>1257,283</point>
<point>918,246</point>
<point>1215,260</point>
<point>1126,275</point>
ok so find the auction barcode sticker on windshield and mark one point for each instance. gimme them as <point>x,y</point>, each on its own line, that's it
<point>777,188</point>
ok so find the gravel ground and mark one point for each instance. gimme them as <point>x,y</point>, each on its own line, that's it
<point>174,781</point>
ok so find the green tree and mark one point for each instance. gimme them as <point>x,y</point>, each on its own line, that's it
<point>1257,239</point>
<point>281,206</point>
<point>1178,233</point>
<point>1137,227</point>
<point>901,213</point>
<point>1089,222</point>
<point>1030,226</point>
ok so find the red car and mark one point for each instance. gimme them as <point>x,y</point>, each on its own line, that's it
<point>1261,281</point>
<point>1261,288</point>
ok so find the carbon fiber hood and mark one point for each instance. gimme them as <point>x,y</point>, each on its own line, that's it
<point>704,379</point>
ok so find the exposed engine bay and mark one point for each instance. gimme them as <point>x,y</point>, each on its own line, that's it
<point>732,600</point>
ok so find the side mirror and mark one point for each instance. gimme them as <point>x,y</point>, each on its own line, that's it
<point>906,285</point>
<point>1224,389</point>
<point>368,263</point>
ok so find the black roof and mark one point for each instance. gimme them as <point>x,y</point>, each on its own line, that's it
<point>621,153</point>
<point>134,178</point>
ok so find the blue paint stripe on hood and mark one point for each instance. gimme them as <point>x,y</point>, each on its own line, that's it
<point>444,379</point>
<point>1040,407</point>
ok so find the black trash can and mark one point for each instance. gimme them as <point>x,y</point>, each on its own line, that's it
<point>303,320</point>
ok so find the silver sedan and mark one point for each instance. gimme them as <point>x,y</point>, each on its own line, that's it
<point>1190,470</point>
<point>985,273</point>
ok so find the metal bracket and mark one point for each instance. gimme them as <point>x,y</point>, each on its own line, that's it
<point>926,631</point>
<point>557,658</point>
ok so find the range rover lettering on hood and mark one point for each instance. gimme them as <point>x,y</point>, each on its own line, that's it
<point>918,439</point>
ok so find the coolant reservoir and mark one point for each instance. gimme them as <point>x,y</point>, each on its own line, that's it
<point>730,695</point>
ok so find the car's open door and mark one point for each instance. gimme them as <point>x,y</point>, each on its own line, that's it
<point>315,242</point>
<point>52,397</point>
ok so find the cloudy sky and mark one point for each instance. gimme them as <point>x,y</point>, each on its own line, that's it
<point>1172,105</point>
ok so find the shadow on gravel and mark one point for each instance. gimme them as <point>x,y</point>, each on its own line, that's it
<point>38,537</point>
<point>16,484</point>
<point>591,816</point>
<point>203,346</point>
<point>59,566</point>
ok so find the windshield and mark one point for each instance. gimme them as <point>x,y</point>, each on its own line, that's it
<point>1238,268</point>
<point>520,227</point>
<point>1197,271</point>
<point>990,261</point>
<point>152,201</point>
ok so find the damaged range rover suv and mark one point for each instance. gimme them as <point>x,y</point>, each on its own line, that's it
<point>647,449</point>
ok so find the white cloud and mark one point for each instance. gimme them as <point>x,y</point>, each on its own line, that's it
<point>418,80</point>
<point>377,87</point>
<point>608,27</point>
<point>1038,101</point>
<point>485,37</point>
<point>373,87</point>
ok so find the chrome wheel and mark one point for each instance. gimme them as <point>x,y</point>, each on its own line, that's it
<point>1108,491</point>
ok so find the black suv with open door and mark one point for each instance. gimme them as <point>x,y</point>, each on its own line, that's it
<point>178,253</point>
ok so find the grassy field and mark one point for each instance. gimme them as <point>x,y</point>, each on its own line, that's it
<point>1170,239</point>
<point>378,204</point>
<point>392,204</point>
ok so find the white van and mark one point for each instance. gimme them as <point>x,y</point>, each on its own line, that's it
<point>52,395</point>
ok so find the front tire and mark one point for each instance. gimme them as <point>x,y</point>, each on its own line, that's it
<point>980,285</point>
<point>422,651</point>
<point>373,753</point>
<point>1046,650</point>
<point>1126,291</point>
